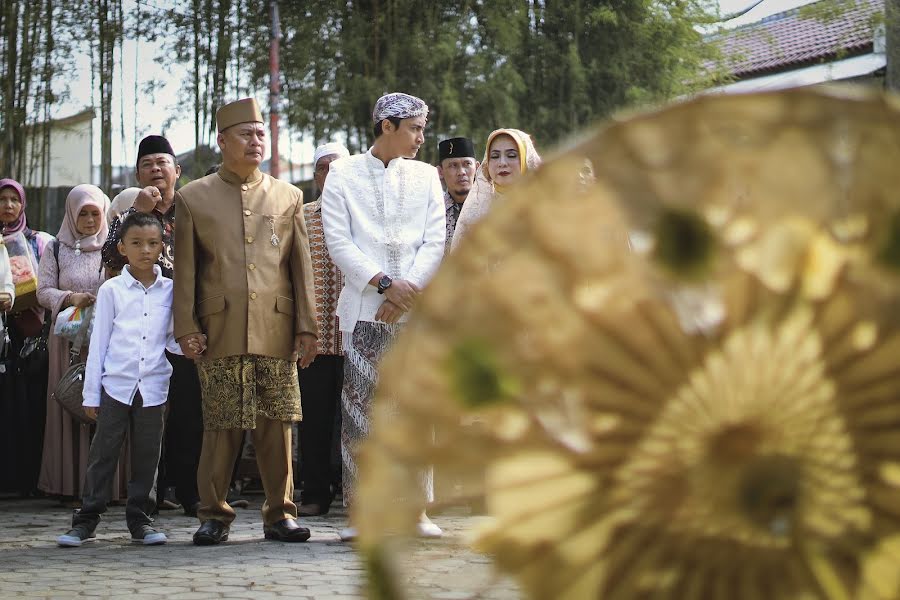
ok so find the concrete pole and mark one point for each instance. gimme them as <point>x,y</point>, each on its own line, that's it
<point>892,44</point>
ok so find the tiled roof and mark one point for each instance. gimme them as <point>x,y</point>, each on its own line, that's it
<point>793,38</point>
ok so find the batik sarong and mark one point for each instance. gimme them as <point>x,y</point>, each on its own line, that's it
<point>236,388</point>
<point>363,353</point>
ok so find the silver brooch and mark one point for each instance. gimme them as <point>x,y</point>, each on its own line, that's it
<point>274,239</point>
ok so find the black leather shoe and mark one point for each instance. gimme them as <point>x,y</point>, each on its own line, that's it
<point>313,509</point>
<point>286,530</point>
<point>211,533</point>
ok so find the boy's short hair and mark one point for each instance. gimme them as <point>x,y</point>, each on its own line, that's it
<point>139,219</point>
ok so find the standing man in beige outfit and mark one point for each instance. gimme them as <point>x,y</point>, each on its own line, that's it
<point>245,280</point>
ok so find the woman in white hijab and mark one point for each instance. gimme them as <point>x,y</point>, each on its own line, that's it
<point>70,275</point>
<point>122,202</point>
<point>509,154</point>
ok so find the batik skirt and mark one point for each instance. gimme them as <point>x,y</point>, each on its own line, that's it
<point>237,388</point>
<point>363,352</point>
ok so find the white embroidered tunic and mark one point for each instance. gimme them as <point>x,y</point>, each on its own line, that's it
<point>379,219</point>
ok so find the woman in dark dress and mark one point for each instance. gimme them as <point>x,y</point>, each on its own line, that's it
<point>23,382</point>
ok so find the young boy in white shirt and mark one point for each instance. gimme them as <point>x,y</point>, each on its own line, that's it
<point>126,382</point>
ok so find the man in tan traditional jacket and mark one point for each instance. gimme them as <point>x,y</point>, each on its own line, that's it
<point>245,280</point>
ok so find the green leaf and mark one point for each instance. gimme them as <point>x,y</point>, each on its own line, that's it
<point>476,375</point>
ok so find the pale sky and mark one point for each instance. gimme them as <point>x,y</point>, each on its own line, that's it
<point>766,8</point>
<point>151,111</point>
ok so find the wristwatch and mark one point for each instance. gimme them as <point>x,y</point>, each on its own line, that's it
<point>384,283</point>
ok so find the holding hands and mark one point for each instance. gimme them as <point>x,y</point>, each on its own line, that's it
<point>193,345</point>
<point>305,349</point>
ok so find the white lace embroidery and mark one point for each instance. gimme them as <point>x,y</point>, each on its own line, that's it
<point>391,226</point>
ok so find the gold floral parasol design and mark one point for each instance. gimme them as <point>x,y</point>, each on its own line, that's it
<point>669,364</point>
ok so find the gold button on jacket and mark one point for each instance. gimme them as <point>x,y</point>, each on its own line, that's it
<point>215,277</point>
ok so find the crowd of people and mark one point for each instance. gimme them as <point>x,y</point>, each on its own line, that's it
<point>229,306</point>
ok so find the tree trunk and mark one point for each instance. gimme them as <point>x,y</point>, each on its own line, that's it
<point>105,74</point>
<point>11,19</point>
<point>197,99</point>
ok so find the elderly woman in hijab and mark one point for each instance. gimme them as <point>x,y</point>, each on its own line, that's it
<point>509,154</point>
<point>13,220</point>
<point>23,373</point>
<point>70,275</point>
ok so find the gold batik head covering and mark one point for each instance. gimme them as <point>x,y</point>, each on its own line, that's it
<point>528,154</point>
<point>529,159</point>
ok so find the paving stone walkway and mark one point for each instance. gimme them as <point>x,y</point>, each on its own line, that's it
<point>247,566</point>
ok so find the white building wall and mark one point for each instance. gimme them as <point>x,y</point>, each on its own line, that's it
<point>70,153</point>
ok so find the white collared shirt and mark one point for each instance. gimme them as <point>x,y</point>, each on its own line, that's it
<point>407,241</point>
<point>132,329</point>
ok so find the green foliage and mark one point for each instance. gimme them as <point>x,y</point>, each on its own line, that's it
<point>381,576</point>
<point>224,43</point>
<point>545,66</point>
<point>478,379</point>
<point>549,67</point>
<point>888,251</point>
<point>39,40</point>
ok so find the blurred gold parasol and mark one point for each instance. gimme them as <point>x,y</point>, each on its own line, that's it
<point>669,363</point>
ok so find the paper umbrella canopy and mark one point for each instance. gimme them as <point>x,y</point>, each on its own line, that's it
<point>668,363</point>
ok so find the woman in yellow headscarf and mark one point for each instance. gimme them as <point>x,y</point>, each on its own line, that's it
<point>509,154</point>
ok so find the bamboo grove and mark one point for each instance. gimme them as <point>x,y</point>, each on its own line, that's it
<point>546,66</point>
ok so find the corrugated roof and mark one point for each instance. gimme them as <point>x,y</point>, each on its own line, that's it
<point>794,38</point>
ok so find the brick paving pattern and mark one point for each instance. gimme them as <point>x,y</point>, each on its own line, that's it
<point>247,566</point>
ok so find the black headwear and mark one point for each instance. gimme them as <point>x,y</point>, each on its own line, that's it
<point>459,147</point>
<point>154,144</point>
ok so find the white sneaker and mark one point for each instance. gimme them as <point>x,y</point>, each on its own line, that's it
<point>148,536</point>
<point>348,534</point>
<point>427,529</point>
<point>75,537</point>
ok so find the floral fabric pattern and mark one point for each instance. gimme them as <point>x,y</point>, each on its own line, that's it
<point>236,388</point>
